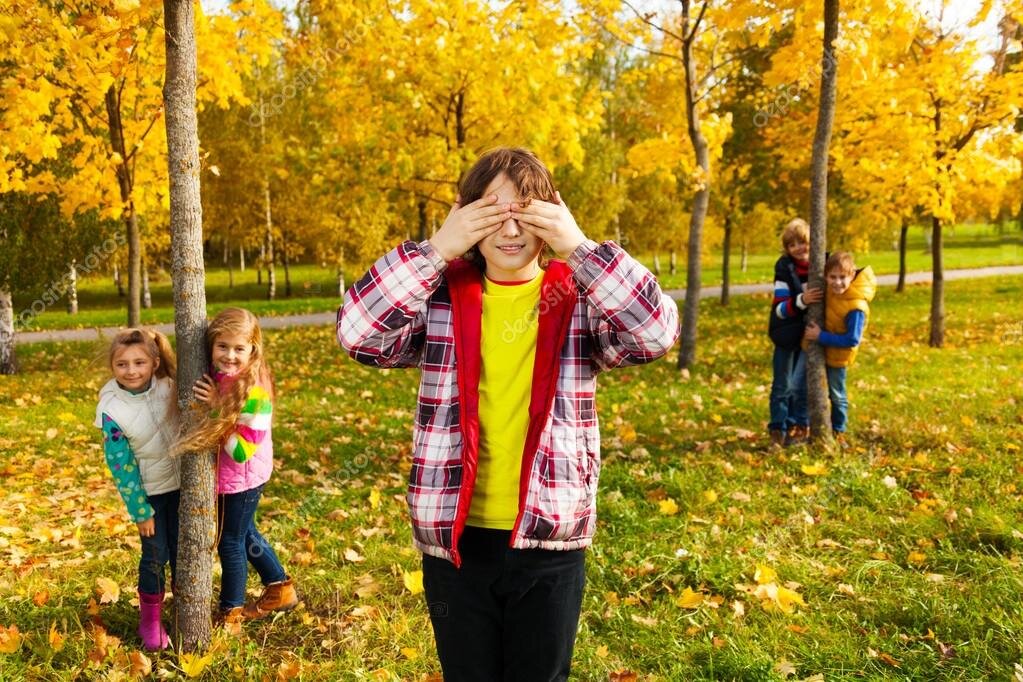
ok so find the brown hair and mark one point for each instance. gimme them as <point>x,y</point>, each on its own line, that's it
<point>796,231</point>
<point>840,260</point>
<point>156,345</point>
<point>223,415</point>
<point>531,178</point>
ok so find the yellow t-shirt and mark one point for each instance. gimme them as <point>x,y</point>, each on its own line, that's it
<point>507,349</point>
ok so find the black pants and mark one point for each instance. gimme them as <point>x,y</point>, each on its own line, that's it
<point>507,615</point>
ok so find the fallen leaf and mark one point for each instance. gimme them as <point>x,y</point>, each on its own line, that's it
<point>41,597</point>
<point>668,507</point>
<point>689,599</point>
<point>410,653</point>
<point>193,664</point>
<point>815,469</point>
<point>784,668</point>
<point>107,590</point>
<point>353,556</point>
<point>644,620</point>
<point>141,666</point>
<point>54,638</point>
<point>289,670</point>
<point>764,574</point>
<point>374,498</point>
<point>413,581</point>
<point>622,676</point>
<point>889,660</point>
<point>10,639</point>
<point>602,651</point>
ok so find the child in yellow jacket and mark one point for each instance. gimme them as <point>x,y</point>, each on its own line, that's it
<point>846,310</point>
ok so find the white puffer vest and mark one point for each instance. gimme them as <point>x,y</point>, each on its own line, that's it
<point>151,427</point>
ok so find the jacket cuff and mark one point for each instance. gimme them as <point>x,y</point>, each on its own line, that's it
<point>579,255</point>
<point>799,302</point>
<point>426,248</point>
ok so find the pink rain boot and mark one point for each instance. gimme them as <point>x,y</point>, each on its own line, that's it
<point>154,637</point>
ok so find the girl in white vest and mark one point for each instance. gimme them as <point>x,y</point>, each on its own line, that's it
<point>138,415</point>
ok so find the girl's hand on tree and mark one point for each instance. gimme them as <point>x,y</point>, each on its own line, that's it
<point>204,390</point>
<point>147,528</point>
<point>553,223</point>
<point>467,225</point>
<point>812,332</point>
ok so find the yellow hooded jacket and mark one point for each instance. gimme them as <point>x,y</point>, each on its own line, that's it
<point>836,307</point>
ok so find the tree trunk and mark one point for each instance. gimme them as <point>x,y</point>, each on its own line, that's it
<point>117,280</point>
<point>230,271</point>
<point>341,272</point>
<point>727,246</point>
<point>147,297</point>
<point>8,362</point>
<point>937,286</point>
<point>673,262</point>
<point>691,309</point>
<point>657,265</point>
<point>816,378</point>
<point>131,224</point>
<point>744,257</point>
<point>284,261</point>
<point>241,257</point>
<point>196,536</point>
<point>259,268</point>
<point>72,289</point>
<point>421,208</point>
<point>903,238</point>
<point>268,237</point>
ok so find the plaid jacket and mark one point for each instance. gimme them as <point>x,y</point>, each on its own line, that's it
<point>600,310</point>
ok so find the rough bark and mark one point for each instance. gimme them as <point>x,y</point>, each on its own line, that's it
<point>198,511</point>
<point>691,307</point>
<point>903,238</point>
<point>125,183</point>
<point>284,262</point>
<point>72,288</point>
<point>117,280</point>
<point>725,274</point>
<point>8,361</point>
<point>816,379</point>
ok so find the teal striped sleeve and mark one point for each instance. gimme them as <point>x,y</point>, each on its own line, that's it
<point>125,470</point>
<point>252,427</point>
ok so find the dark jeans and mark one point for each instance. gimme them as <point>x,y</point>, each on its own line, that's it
<point>162,547</point>
<point>241,544</point>
<point>507,615</point>
<point>839,399</point>
<point>788,390</point>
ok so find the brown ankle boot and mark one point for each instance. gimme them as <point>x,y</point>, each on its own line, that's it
<point>276,597</point>
<point>798,434</point>
<point>777,439</point>
<point>230,619</point>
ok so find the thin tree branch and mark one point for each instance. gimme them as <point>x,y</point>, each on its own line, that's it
<point>646,20</point>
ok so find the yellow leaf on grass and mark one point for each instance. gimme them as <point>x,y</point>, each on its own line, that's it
<point>413,581</point>
<point>192,664</point>
<point>774,596</point>
<point>668,507</point>
<point>41,597</point>
<point>602,651</point>
<point>689,599</point>
<point>141,666</point>
<point>916,557</point>
<point>289,670</point>
<point>66,417</point>
<point>374,498</point>
<point>107,590</point>
<point>55,639</point>
<point>10,639</point>
<point>410,653</point>
<point>710,496</point>
<point>815,469</point>
<point>765,574</point>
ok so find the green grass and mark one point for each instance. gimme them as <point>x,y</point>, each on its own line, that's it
<point>314,288</point>
<point>906,548</point>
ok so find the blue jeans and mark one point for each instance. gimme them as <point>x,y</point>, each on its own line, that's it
<point>788,390</point>
<point>241,544</point>
<point>507,614</point>
<point>839,399</point>
<point>162,547</point>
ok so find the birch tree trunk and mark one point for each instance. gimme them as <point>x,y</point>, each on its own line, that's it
<point>903,238</point>
<point>194,584</point>
<point>72,288</point>
<point>8,363</point>
<point>816,379</point>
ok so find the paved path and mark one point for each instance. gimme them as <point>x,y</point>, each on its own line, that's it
<point>314,319</point>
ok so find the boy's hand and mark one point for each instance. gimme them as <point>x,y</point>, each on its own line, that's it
<point>467,225</point>
<point>147,528</point>
<point>814,295</point>
<point>553,223</point>
<point>812,332</point>
<point>204,390</point>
